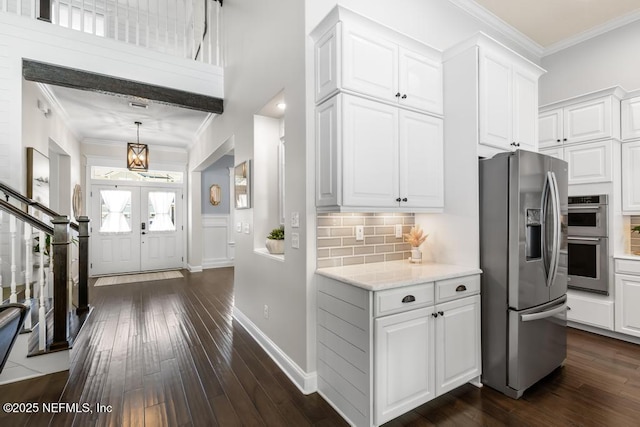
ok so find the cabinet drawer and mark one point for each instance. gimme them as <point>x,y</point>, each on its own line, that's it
<point>404,298</point>
<point>590,311</point>
<point>457,288</point>
<point>627,266</point>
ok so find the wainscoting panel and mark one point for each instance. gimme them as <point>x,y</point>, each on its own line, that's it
<point>217,249</point>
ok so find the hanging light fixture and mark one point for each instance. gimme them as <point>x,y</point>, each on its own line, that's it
<point>137,154</point>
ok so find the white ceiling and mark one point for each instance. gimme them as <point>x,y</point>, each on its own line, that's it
<point>98,116</point>
<point>548,22</point>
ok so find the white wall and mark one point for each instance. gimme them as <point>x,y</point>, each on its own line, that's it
<point>607,60</point>
<point>264,54</point>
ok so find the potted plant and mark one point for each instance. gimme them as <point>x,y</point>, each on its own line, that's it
<point>275,241</point>
<point>415,238</point>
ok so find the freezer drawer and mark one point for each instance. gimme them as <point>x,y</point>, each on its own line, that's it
<point>537,343</point>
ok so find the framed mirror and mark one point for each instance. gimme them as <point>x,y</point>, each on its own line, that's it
<point>215,194</point>
<point>242,185</point>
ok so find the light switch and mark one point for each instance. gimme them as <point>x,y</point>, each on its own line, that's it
<point>238,227</point>
<point>398,231</point>
<point>245,227</point>
<point>295,240</point>
<point>359,233</point>
<point>295,219</point>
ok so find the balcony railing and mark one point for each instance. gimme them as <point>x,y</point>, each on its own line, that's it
<point>184,28</point>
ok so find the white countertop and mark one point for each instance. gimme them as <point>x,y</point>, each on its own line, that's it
<point>392,274</point>
<point>627,256</point>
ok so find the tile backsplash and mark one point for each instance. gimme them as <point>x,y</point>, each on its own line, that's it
<point>337,244</point>
<point>635,237</point>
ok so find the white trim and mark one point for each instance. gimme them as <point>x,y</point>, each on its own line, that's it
<point>592,32</point>
<point>483,15</point>
<point>604,332</point>
<point>217,263</point>
<point>194,268</point>
<point>265,253</point>
<point>306,382</point>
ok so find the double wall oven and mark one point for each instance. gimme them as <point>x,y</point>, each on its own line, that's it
<point>588,244</point>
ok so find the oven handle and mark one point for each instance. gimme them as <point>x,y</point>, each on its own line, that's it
<point>591,208</point>
<point>585,239</point>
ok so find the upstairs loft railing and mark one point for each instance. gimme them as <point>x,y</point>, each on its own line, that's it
<point>46,251</point>
<point>184,28</point>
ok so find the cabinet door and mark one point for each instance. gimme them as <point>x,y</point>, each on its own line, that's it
<point>457,343</point>
<point>557,152</point>
<point>588,120</point>
<point>525,110</point>
<point>420,81</point>
<point>370,153</point>
<point>589,163</point>
<point>550,128</point>
<point>421,161</point>
<point>404,363</point>
<point>627,303</point>
<point>631,177</point>
<point>328,159</point>
<point>630,118</point>
<point>370,63</point>
<point>496,105</point>
<point>326,63</point>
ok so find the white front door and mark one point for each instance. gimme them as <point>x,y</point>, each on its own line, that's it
<point>135,229</point>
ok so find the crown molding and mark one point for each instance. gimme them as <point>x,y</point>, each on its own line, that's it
<point>592,32</point>
<point>482,14</point>
<point>58,108</point>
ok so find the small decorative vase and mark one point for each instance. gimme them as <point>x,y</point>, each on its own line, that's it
<point>416,255</point>
<point>275,246</point>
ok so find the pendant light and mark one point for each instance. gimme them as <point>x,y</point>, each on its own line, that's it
<point>137,154</point>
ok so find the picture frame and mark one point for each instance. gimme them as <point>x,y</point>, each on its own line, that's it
<point>242,185</point>
<point>37,176</point>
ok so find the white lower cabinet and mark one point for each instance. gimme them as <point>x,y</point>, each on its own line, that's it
<point>627,296</point>
<point>424,353</point>
<point>383,353</point>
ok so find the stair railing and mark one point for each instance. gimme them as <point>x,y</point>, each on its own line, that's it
<point>59,262</point>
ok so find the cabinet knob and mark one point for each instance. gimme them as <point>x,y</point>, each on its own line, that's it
<point>461,288</point>
<point>564,139</point>
<point>398,199</point>
<point>398,95</point>
<point>441,313</point>
<point>408,298</point>
<point>558,140</point>
<point>405,200</point>
<point>434,314</point>
<point>404,96</point>
<point>513,144</point>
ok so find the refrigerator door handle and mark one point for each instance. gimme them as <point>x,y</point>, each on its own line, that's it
<point>543,314</point>
<point>546,262</point>
<point>555,253</point>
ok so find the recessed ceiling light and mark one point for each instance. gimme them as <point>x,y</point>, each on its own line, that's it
<point>138,105</point>
<point>281,105</point>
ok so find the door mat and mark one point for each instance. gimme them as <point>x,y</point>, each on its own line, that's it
<point>133,278</point>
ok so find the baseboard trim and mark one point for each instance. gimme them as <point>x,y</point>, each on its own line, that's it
<point>217,263</point>
<point>306,383</point>
<point>604,332</point>
<point>194,268</point>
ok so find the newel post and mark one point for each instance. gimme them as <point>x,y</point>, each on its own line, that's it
<point>60,246</point>
<point>83,265</point>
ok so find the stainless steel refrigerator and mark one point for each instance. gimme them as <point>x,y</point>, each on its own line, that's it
<point>523,256</point>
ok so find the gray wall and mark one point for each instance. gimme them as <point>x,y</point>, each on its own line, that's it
<point>217,173</point>
<point>608,60</point>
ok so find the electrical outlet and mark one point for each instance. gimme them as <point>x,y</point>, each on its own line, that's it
<point>295,219</point>
<point>295,240</point>
<point>238,227</point>
<point>359,233</point>
<point>398,231</point>
<point>246,228</point>
<point>266,311</point>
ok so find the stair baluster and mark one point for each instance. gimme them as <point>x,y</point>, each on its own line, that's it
<point>1,252</point>
<point>28,266</point>
<point>12,230</point>
<point>42,313</point>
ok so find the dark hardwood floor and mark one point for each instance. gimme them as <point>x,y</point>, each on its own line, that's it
<point>168,353</point>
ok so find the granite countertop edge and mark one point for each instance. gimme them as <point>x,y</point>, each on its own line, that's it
<point>395,274</point>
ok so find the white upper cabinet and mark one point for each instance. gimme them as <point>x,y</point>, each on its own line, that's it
<point>591,117</point>
<point>631,178</point>
<point>630,118</point>
<point>354,54</point>
<point>508,101</point>
<point>590,163</point>
<point>375,155</point>
<point>550,129</point>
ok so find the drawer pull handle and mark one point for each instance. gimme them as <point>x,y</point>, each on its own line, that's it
<point>441,313</point>
<point>434,314</point>
<point>408,298</point>
<point>461,288</point>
